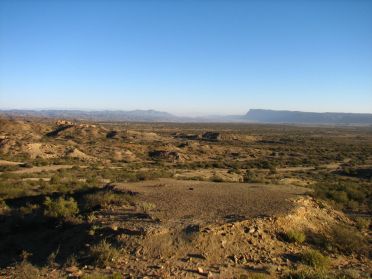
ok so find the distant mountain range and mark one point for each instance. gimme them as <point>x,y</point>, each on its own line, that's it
<point>284,116</point>
<point>252,116</point>
<point>99,115</point>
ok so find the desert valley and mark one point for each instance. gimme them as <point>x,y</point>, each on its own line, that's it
<point>90,199</point>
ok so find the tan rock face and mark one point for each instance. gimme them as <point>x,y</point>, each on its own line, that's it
<point>62,122</point>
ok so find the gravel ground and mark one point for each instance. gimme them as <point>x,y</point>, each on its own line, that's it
<point>182,202</point>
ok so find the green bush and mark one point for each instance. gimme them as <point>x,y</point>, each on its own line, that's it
<point>103,253</point>
<point>315,259</point>
<point>60,208</point>
<point>295,236</point>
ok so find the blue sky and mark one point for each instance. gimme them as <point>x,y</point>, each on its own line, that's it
<point>187,57</point>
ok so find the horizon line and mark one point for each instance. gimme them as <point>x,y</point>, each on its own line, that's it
<point>172,113</point>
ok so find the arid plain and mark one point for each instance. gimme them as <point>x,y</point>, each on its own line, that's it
<point>82,199</point>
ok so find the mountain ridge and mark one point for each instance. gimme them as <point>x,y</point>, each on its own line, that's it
<point>252,116</point>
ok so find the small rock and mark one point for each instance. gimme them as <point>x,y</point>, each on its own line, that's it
<point>202,272</point>
<point>210,274</point>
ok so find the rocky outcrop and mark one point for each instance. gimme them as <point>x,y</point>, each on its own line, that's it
<point>211,136</point>
<point>62,122</point>
<point>187,136</point>
<point>61,126</point>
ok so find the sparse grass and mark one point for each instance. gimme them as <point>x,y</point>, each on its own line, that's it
<point>315,259</point>
<point>295,236</point>
<point>60,208</point>
<point>103,253</point>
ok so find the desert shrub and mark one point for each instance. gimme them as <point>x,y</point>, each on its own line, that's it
<point>295,236</point>
<point>344,195</point>
<point>254,275</point>
<point>315,259</point>
<point>216,178</point>
<point>147,206</point>
<point>28,209</point>
<point>361,222</point>
<point>102,276</point>
<point>25,270</point>
<point>9,168</point>
<point>3,207</point>
<point>71,261</point>
<point>103,253</point>
<point>55,179</point>
<point>152,174</point>
<point>339,196</point>
<point>348,240</point>
<point>251,177</point>
<point>104,199</point>
<point>26,165</point>
<point>12,188</point>
<point>60,208</point>
<point>309,274</point>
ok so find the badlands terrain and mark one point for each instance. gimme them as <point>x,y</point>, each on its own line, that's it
<point>82,199</point>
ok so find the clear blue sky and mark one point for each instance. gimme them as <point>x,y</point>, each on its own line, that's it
<point>187,57</point>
